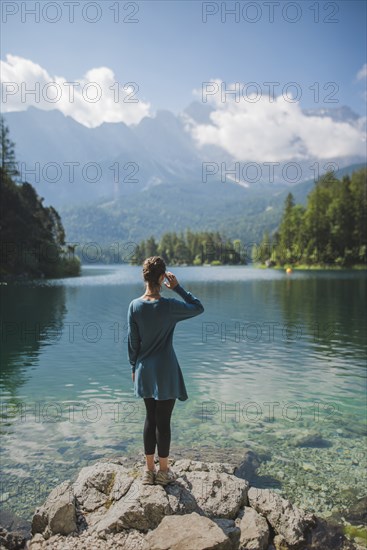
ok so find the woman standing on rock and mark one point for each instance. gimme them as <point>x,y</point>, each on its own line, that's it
<point>156,372</point>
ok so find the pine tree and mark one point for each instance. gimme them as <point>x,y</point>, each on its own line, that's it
<point>8,162</point>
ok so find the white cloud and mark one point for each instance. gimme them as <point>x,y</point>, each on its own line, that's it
<point>362,73</point>
<point>112,105</point>
<point>275,130</point>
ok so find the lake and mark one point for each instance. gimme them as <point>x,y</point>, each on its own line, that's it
<point>276,363</point>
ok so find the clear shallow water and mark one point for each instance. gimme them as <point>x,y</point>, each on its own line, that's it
<point>273,359</point>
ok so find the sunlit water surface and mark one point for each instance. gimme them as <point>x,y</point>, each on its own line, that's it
<point>276,363</point>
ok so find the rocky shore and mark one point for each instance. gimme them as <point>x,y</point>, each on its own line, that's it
<point>212,505</point>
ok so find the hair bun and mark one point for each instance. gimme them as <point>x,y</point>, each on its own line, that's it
<point>153,268</point>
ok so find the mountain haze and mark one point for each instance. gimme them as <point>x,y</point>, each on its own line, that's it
<point>168,193</point>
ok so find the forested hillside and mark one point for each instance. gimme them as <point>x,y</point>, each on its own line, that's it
<point>331,229</point>
<point>32,237</point>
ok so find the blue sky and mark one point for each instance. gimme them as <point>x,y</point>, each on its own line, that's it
<point>170,50</point>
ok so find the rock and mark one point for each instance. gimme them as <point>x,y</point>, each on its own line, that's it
<point>14,531</point>
<point>142,507</point>
<point>254,530</point>
<point>131,540</point>
<point>11,540</point>
<point>287,520</point>
<point>325,534</point>
<point>209,506</point>
<point>37,542</point>
<point>356,514</point>
<point>238,436</point>
<point>309,467</point>
<point>97,484</point>
<point>217,495</point>
<point>125,541</point>
<point>181,499</point>
<point>280,543</point>
<point>58,514</point>
<point>230,529</point>
<point>312,439</point>
<point>248,466</point>
<point>190,532</point>
<point>182,465</point>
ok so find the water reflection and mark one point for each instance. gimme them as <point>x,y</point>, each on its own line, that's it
<point>31,318</point>
<point>273,359</point>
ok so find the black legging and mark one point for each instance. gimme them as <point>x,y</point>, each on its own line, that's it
<point>157,426</point>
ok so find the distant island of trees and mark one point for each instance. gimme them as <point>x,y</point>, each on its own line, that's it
<point>189,248</point>
<point>32,237</point>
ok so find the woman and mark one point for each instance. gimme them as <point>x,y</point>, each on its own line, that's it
<point>156,372</point>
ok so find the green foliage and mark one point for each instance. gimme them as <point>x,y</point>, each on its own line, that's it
<point>176,249</point>
<point>8,162</point>
<point>192,248</point>
<point>228,208</point>
<point>331,230</point>
<point>355,532</point>
<point>32,236</point>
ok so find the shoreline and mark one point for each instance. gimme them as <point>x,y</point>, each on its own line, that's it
<point>316,267</point>
<point>5,279</point>
<point>75,513</point>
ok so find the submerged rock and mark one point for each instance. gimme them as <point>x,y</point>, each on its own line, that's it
<point>249,465</point>
<point>312,439</point>
<point>14,531</point>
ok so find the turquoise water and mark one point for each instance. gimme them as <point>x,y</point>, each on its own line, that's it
<point>276,363</point>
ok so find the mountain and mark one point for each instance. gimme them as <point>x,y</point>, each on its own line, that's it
<point>133,181</point>
<point>234,211</point>
<point>74,164</point>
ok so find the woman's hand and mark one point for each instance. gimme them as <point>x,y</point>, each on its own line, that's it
<point>172,281</point>
<point>133,376</point>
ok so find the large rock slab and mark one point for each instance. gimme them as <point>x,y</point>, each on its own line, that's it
<point>57,514</point>
<point>287,520</point>
<point>217,495</point>
<point>101,483</point>
<point>206,492</point>
<point>142,507</point>
<point>189,532</point>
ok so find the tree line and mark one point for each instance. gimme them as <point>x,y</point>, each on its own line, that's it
<point>202,247</point>
<point>331,230</point>
<point>32,236</point>
<point>189,248</point>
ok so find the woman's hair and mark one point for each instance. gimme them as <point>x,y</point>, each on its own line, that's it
<point>153,268</point>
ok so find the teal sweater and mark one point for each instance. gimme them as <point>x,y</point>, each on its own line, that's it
<point>150,349</point>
